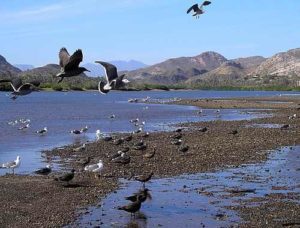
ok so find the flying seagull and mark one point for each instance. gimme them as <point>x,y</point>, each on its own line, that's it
<point>12,164</point>
<point>113,80</point>
<point>70,64</point>
<point>198,10</point>
<point>20,88</point>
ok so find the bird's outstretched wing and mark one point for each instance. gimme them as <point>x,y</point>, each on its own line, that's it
<point>64,57</point>
<point>110,71</point>
<point>35,83</point>
<point>24,87</point>
<point>101,89</point>
<point>194,7</point>
<point>206,3</point>
<point>75,60</point>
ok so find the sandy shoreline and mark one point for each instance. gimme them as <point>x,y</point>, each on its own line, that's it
<point>37,201</point>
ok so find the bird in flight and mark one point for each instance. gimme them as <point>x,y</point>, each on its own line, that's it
<point>198,10</point>
<point>70,64</point>
<point>114,81</point>
<point>20,88</point>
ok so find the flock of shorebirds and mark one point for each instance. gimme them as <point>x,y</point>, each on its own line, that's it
<point>70,67</point>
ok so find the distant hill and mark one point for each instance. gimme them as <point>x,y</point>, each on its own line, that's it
<point>6,69</point>
<point>46,75</point>
<point>97,70</point>
<point>209,69</point>
<point>281,64</point>
<point>24,67</point>
<point>177,70</point>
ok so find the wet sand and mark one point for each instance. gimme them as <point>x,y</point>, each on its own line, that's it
<point>38,201</point>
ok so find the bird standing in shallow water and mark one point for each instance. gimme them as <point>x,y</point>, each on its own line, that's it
<point>144,193</point>
<point>70,64</point>
<point>12,165</point>
<point>144,178</point>
<point>132,208</point>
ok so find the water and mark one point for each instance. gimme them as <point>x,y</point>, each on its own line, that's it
<point>201,199</point>
<point>61,112</point>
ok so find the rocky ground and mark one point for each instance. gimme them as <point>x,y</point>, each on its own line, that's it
<point>38,201</point>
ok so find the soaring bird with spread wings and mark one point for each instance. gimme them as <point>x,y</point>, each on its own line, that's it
<point>70,64</point>
<point>20,88</point>
<point>198,10</point>
<point>113,80</point>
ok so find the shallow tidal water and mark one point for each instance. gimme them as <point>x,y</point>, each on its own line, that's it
<point>199,200</point>
<point>61,112</point>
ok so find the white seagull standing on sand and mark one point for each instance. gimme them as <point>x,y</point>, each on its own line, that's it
<point>94,167</point>
<point>12,164</point>
<point>98,134</point>
<point>113,80</point>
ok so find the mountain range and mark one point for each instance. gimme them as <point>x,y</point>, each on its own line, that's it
<point>209,69</point>
<point>97,70</point>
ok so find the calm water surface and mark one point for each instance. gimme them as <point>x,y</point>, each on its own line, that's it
<point>61,112</point>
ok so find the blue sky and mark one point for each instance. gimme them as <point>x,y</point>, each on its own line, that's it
<point>151,31</point>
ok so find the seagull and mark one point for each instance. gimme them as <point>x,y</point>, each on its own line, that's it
<point>133,207</point>
<point>24,127</point>
<point>98,134</point>
<point>67,177</point>
<point>42,131</point>
<point>75,132</point>
<point>81,148</point>
<point>94,167</point>
<point>12,164</point>
<point>143,192</point>
<point>144,178</point>
<point>150,154</point>
<point>112,116</point>
<point>20,88</point>
<point>85,129</point>
<point>44,171</point>
<point>198,10</point>
<point>123,159</point>
<point>113,80</point>
<point>70,64</point>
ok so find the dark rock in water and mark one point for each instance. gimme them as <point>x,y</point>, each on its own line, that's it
<point>235,191</point>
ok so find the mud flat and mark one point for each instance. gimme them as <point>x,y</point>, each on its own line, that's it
<point>37,201</point>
